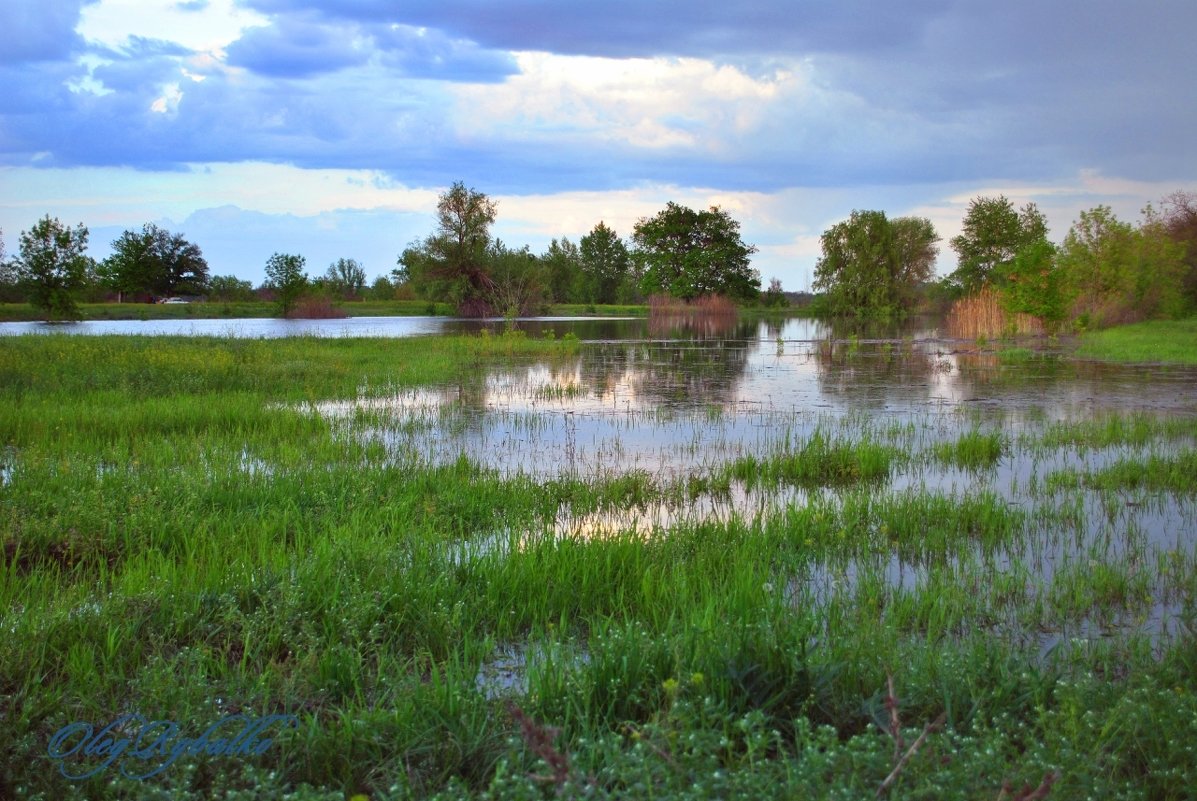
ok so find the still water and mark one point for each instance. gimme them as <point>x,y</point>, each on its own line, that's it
<point>272,327</point>
<point>676,403</point>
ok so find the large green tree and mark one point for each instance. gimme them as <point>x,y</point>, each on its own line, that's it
<point>872,266</point>
<point>9,288</point>
<point>285,273</point>
<point>518,281</point>
<point>229,288</point>
<point>451,264</point>
<point>345,278</point>
<point>688,254</point>
<point>52,267</point>
<point>563,271</point>
<point>605,264</point>
<point>992,235</point>
<point>1118,272</point>
<point>1034,284</point>
<point>154,263</point>
<point>1180,223</point>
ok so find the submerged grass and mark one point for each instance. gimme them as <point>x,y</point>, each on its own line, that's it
<point>185,539</point>
<point>819,462</point>
<point>973,450</point>
<point>1175,474</point>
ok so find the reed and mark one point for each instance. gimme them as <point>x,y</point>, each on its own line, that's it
<point>706,316</point>
<point>983,316</point>
<point>316,307</point>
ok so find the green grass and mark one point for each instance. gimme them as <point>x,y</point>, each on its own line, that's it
<point>1175,474</point>
<point>974,450</point>
<point>818,462</point>
<point>184,537</point>
<point>1166,341</point>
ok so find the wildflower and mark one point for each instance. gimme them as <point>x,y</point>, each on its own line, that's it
<point>670,685</point>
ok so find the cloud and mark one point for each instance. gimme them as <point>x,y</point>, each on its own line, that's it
<point>430,54</point>
<point>796,113</point>
<point>39,30</point>
<point>299,46</point>
<point>307,43</point>
<point>625,28</point>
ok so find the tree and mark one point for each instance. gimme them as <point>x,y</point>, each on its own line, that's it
<point>1033,284</point>
<point>872,266</point>
<point>381,289</point>
<point>518,281</point>
<point>1180,223</point>
<point>993,234</point>
<point>345,277</point>
<point>53,268</point>
<point>451,264</point>
<point>154,263</point>
<point>1120,273</point>
<point>229,288</point>
<point>915,252</point>
<point>286,276</point>
<point>563,271</point>
<point>605,263</point>
<point>9,288</point>
<point>689,253</point>
<point>774,296</point>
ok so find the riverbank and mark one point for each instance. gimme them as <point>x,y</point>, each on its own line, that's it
<point>1156,341</point>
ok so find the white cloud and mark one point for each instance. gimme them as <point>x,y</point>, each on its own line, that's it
<point>653,103</point>
<point>114,22</point>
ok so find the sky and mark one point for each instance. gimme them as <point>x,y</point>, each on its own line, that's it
<point>330,128</point>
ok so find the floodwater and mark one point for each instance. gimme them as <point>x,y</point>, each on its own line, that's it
<point>672,403</point>
<point>273,328</point>
<point>672,406</point>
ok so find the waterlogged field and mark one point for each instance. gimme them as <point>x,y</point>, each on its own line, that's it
<point>504,566</point>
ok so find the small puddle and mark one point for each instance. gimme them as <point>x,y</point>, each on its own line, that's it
<point>506,674</point>
<point>8,464</point>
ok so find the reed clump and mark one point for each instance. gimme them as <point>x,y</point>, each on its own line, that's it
<point>316,307</point>
<point>705,316</point>
<point>983,316</point>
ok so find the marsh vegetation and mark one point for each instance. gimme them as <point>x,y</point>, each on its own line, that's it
<point>512,566</point>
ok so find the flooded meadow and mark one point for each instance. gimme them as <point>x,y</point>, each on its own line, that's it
<point>730,557</point>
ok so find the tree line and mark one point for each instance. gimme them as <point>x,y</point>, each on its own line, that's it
<point>1106,271</point>
<point>52,271</point>
<point>872,266</point>
<point>679,252</point>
